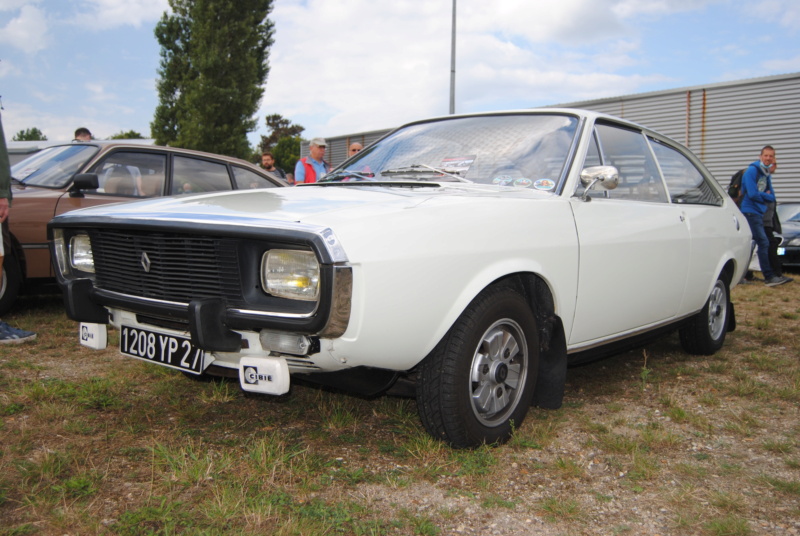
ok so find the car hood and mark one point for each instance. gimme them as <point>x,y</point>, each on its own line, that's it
<point>314,205</point>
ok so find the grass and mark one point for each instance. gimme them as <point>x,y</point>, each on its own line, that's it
<point>652,441</point>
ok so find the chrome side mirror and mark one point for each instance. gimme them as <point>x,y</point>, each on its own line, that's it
<point>607,176</point>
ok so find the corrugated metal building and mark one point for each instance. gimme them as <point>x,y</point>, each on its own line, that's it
<point>725,124</point>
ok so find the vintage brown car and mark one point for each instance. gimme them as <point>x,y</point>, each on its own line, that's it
<point>77,175</point>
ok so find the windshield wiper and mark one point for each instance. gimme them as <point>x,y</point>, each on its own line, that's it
<point>16,180</point>
<point>422,168</point>
<point>360,175</point>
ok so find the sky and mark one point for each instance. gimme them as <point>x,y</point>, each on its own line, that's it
<point>347,66</point>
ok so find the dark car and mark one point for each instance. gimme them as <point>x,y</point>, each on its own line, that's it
<point>789,215</point>
<point>66,177</point>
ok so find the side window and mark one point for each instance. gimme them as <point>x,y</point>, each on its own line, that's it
<point>246,179</point>
<point>629,152</point>
<point>130,173</point>
<point>686,184</point>
<point>192,175</point>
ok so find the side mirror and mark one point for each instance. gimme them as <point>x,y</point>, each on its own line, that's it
<point>607,176</point>
<point>83,181</point>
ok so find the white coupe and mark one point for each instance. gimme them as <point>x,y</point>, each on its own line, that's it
<point>470,257</point>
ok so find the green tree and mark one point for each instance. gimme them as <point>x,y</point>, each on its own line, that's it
<point>29,134</point>
<point>279,127</point>
<point>127,135</point>
<point>287,152</point>
<point>214,63</point>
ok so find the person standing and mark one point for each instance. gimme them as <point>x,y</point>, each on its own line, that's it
<point>354,149</point>
<point>268,163</point>
<point>758,192</point>
<point>8,334</point>
<point>82,134</point>
<point>314,167</point>
<point>772,227</point>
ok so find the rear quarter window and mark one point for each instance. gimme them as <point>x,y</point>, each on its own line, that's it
<point>192,175</point>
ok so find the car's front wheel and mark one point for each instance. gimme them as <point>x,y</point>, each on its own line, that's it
<point>705,332</point>
<point>477,384</point>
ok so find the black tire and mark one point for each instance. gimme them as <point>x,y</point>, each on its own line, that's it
<point>704,333</point>
<point>10,285</point>
<point>477,384</point>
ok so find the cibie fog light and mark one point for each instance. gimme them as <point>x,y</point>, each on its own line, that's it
<point>290,274</point>
<point>80,253</point>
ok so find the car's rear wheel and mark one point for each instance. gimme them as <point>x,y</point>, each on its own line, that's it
<point>477,384</point>
<point>705,332</point>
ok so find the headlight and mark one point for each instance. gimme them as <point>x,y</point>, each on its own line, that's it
<point>80,253</point>
<point>794,242</point>
<point>290,274</point>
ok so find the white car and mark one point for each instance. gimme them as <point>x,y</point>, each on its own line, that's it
<point>472,256</point>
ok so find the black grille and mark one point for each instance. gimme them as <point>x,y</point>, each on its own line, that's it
<point>181,267</point>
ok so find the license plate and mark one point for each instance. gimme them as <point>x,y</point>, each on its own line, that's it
<point>781,251</point>
<point>162,349</point>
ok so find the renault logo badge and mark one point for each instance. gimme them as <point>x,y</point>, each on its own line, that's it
<point>145,262</point>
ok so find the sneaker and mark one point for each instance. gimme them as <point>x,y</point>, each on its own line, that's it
<point>775,280</point>
<point>9,335</point>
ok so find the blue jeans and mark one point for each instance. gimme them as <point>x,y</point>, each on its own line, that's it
<point>756,222</point>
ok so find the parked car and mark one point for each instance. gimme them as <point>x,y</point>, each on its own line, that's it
<point>65,177</point>
<point>469,257</point>
<point>789,250</point>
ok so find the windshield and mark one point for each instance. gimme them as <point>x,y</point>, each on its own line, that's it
<point>53,167</point>
<point>508,150</point>
<point>788,212</point>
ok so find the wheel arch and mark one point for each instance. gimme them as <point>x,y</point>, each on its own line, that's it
<point>552,371</point>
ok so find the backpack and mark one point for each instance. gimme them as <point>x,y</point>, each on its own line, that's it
<point>735,187</point>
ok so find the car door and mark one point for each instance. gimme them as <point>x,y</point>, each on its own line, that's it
<point>122,175</point>
<point>634,244</point>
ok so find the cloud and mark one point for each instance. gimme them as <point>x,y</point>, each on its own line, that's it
<point>107,14</point>
<point>28,31</point>
<point>387,63</point>
<point>788,65</point>
<point>783,12</point>
<point>13,5</point>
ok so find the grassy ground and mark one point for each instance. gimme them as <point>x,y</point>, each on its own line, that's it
<point>650,442</point>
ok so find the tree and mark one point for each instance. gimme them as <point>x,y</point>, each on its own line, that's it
<point>279,127</point>
<point>287,152</point>
<point>127,135</point>
<point>29,134</point>
<point>213,68</point>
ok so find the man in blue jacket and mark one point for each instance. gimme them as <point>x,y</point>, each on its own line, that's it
<point>757,188</point>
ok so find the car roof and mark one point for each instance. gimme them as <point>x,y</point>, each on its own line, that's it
<point>577,112</point>
<point>115,144</point>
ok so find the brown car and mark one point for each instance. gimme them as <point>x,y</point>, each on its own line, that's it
<point>76,175</point>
